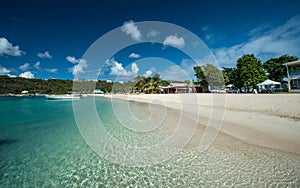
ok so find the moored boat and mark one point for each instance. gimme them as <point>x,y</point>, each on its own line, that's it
<point>62,97</point>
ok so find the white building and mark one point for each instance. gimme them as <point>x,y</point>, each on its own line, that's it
<point>293,74</point>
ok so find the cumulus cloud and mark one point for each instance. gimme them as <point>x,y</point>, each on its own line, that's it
<point>46,54</point>
<point>174,40</point>
<point>152,33</point>
<point>80,65</point>
<point>37,65</point>
<point>134,55</point>
<point>53,70</point>
<point>4,71</point>
<point>174,72</point>
<point>6,48</point>
<point>79,68</point>
<point>24,67</point>
<point>284,39</point>
<point>149,72</point>
<point>72,59</point>
<point>27,74</point>
<point>117,69</point>
<point>131,29</point>
<point>134,68</point>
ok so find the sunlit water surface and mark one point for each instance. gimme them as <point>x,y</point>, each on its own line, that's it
<point>40,146</point>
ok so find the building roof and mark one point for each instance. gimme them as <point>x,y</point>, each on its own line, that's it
<point>292,63</point>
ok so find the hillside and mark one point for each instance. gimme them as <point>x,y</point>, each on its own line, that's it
<point>52,86</point>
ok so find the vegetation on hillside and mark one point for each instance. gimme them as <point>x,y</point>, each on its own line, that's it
<point>51,86</point>
<point>249,71</point>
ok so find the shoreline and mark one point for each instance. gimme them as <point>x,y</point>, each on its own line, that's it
<point>265,120</point>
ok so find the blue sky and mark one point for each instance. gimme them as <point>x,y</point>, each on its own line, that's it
<point>48,39</point>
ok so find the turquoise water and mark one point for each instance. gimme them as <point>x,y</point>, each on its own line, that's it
<point>40,146</point>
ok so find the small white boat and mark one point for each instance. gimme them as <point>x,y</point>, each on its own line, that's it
<point>62,97</point>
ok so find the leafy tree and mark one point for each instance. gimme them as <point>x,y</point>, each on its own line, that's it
<point>201,79</point>
<point>249,71</point>
<point>151,83</point>
<point>139,83</point>
<point>275,67</point>
<point>209,75</point>
<point>213,76</point>
<point>155,82</point>
<point>187,82</point>
<point>230,75</point>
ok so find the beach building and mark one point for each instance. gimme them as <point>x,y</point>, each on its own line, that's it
<point>178,87</point>
<point>293,75</point>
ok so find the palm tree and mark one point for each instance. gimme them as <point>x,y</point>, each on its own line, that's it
<point>188,84</point>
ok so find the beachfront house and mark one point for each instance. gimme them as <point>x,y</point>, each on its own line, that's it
<point>293,75</point>
<point>178,87</point>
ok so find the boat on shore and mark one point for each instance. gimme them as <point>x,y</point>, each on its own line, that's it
<point>63,97</point>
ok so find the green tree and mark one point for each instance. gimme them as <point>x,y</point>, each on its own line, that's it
<point>151,83</point>
<point>249,71</point>
<point>209,76</point>
<point>230,76</point>
<point>187,82</point>
<point>213,76</point>
<point>155,82</point>
<point>139,83</point>
<point>201,79</point>
<point>275,68</point>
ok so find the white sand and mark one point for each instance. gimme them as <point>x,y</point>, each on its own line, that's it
<point>267,120</point>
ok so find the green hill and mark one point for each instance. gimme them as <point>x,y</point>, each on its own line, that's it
<point>52,86</point>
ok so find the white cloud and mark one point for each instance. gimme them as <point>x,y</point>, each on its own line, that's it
<point>6,48</point>
<point>53,70</point>
<point>117,69</point>
<point>149,72</point>
<point>134,68</point>
<point>152,33</point>
<point>24,67</point>
<point>72,59</point>
<point>4,71</point>
<point>37,65</point>
<point>79,68</point>
<point>81,64</point>
<point>12,76</point>
<point>174,40</point>
<point>134,55</point>
<point>174,72</point>
<point>27,74</point>
<point>284,39</point>
<point>131,29</point>
<point>46,54</point>
<point>258,30</point>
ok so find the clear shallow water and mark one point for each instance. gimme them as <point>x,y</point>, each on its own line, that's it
<point>40,146</point>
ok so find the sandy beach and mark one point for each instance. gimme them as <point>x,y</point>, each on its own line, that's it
<point>266,120</point>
